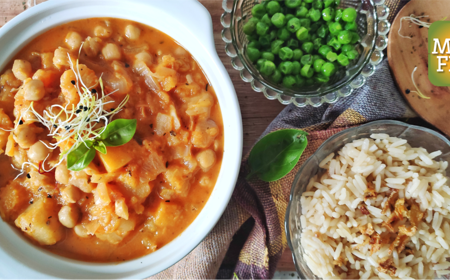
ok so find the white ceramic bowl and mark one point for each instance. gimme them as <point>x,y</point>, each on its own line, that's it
<point>189,23</point>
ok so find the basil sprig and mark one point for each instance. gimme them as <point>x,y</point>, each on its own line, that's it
<point>276,154</point>
<point>116,133</point>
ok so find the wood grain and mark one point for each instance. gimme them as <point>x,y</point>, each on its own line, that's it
<point>405,54</point>
<point>257,111</point>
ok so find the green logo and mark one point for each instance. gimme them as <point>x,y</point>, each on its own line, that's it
<point>439,53</point>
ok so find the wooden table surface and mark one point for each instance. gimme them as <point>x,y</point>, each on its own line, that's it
<point>257,111</point>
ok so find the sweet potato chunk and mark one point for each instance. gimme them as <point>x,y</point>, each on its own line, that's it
<point>116,158</point>
<point>40,222</point>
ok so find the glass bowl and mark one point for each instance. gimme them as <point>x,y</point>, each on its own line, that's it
<point>373,28</point>
<point>416,136</point>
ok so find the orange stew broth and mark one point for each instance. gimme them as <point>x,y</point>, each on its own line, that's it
<point>143,106</point>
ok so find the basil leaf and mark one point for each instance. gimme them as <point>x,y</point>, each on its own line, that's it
<point>276,154</point>
<point>100,146</point>
<point>80,158</point>
<point>118,132</point>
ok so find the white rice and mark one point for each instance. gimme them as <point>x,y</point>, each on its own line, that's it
<point>331,217</point>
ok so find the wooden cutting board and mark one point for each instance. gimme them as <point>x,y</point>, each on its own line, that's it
<point>405,54</point>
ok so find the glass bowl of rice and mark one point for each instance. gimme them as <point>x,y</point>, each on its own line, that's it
<point>368,204</point>
<point>373,27</point>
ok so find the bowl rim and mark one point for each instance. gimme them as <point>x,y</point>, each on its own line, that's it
<point>200,33</point>
<point>373,123</point>
<point>297,93</point>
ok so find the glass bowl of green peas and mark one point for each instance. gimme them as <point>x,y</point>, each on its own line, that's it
<point>305,52</point>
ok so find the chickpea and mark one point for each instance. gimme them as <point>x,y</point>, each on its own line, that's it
<point>206,159</point>
<point>132,32</point>
<point>92,46</point>
<point>70,194</point>
<point>47,60</point>
<point>102,32</point>
<point>22,69</point>
<point>73,40</point>
<point>68,216</point>
<point>34,90</point>
<point>111,52</point>
<point>25,136</point>
<point>62,174</point>
<point>81,231</point>
<point>145,57</point>
<point>38,151</point>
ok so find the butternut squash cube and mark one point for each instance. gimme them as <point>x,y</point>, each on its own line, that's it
<point>40,222</point>
<point>115,158</point>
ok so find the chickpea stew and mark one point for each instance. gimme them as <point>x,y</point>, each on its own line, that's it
<point>60,94</point>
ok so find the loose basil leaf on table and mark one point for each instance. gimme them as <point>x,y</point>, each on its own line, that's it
<point>118,132</point>
<point>276,154</point>
<point>100,146</point>
<point>80,158</point>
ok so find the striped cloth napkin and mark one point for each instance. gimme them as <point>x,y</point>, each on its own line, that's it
<point>260,207</point>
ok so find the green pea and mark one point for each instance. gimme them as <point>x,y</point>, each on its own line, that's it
<point>327,15</point>
<point>289,81</point>
<point>342,59</point>
<point>344,37</point>
<point>297,54</point>
<point>302,33</point>
<point>349,15</point>
<point>273,35</point>
<point>260,63</point>
<point>286,53</point>
<point>353,54</point>
<point>335,28</point>
<point>293,25</point>
<point>289,17</point>
<point>351,26</point>
<point>277,76</point>
<point>265,41</point>
<point>355,38</point>
<point>292,3</point>
<point>254,44</point>
<point>279,20</point>
<point>273,7</point>
<point>259,10</point>
<point>307,47</point>
<point>299,80</point>
<point>328,3</point>
<point>253,54</point>
<point>322,31</point>
<point>276,46</point>
<point>307,71</point>
<point>331,56</point>
<point>318,65</point>
<point>296,66</point>
<point>327,69</point>
<point>309,1</point>
<point>334,43</point>
<point>321,78</point>
<point>261,28</point>
<point>292,43</point>
<point>305,22</point>
<point>317,43</point>
<point>338,15</point>
<point>286,67</point>
<point>307,59</point>
<point>268,56</point>
<point>337,2</point>
<point>267,68</point>
<point>283,34</point>
<point>318,4</point>
<point>323,50</point>
<point>316,57</point>
<point>266,20</point>
<point>347,48</point>
<point>314,27</point>
<point>314,15</point>
<point>250,27</point>
<point>301,12</point>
